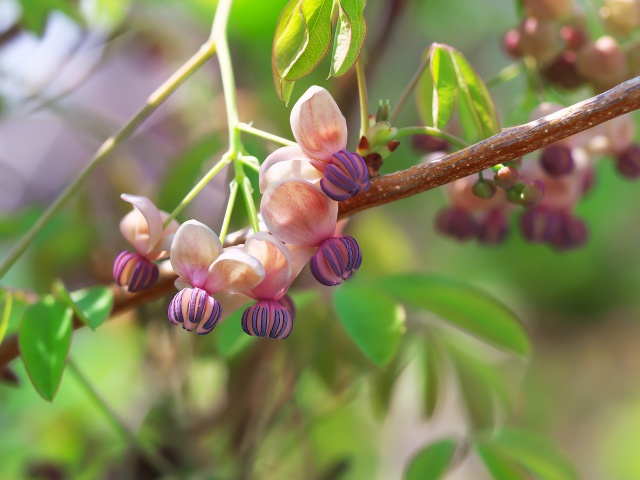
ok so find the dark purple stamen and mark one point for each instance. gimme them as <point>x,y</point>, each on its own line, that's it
<point>336,260</point>
<point>134,271</point>
<point>345,176</point>
<point>201,310</point>
<point>267,316</point>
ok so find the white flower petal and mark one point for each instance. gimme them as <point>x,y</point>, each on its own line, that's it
<point>195,247</point>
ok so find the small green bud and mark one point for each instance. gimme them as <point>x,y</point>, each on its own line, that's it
<point>484,189</point>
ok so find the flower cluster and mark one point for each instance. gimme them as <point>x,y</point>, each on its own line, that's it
<point>301,187</point>
<point>548,184</point>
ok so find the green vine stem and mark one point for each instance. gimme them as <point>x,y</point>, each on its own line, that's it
<point>244,127</point>
<point>206,51</point>
<point>247,191</point>
<point>159,463</point>
<point>397,108</point>
<point>362,94</point>
<point>434,132</point>
<point>233,193</point>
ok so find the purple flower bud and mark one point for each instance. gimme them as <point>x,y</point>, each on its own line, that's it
<point>557,160</point>
<point>456,223</point>
<point>563,71</point>
<point>628,162</point>
<point>267,318</point>
<point>484,189</point>
<point>493,230</point>
<point>506,177</point>
<point>532,193</point>
<point>134,271</point>
<point>193,307</point>
<point>287,302</point>
<point>346,176</point>
<point>336,260</point>
<point>539,225</point>
<point>573,233</point>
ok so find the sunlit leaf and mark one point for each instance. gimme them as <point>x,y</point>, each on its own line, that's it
<point>445,85</point>
<point>534,453</point>
<point>432,462</point>
<point>483,106</point>
<point>462,305</point>
<point>302,39</point>
<point>424,94</point>
<point>5,315</point>
<point>45,336</point>
<point>18,305</point>
<point>350,33</point>
<point>95,303</point>
<point>374,321</point>
<point>499,465</point>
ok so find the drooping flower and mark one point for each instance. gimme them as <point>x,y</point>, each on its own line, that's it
<point>273,314</point>
<point>143,228</point>
<point>321,132</point>
<point>205,268</point>
<point>299,213</point>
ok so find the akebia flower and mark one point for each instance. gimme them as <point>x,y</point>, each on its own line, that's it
<point>321,132</point>
<point>143,228</point>
<point>273,314</point>
<point>205,268</point>
<point>299,213</point>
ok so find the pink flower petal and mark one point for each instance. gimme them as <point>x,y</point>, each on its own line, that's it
<point>288,163</point>
<point>318,125</point>
<point>235,272</point>
<point>195,247</point>
<point>299,213</point>
<point>143,233</point>
<point>277,262</point>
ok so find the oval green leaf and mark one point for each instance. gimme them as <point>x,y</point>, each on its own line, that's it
<point>432,462</point>
<point>351,31</point>
<point>432,376</point>
<point>374,321</point>
<point>445,85</point>
<point>94,303</point>
<point>44,339</point>
<point>464,306</point>
<point>499,465</point>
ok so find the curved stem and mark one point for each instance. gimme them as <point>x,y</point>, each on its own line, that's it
<point>153,102</point>
<point>244,127</point>
<point>233,192</point>
<point>397,108</point>
<point>434,132</point>
<point>247,191</point>
<point>364,101</point>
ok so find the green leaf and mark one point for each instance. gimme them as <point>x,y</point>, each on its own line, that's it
<point>351,31</point>
<point>229,337</point>
<point>432,462</point>
<point>6,315</point>
<point>445,85</point>
<point>45,336</point>
<point>374,321</point>
<point>478,95</point>
<point>424,93</point>
<point>302,39</point>
<point>432,376</point>
<point>536,454</point>
<point>36,12</point>
<point>18,305</point>
<point>95,303</point>
<point>463,306</point>
<point>499,465</point>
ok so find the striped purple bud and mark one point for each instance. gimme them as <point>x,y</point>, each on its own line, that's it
<point>267,318</point>
<point>456,223</point>
<point>193,307</point>
<point>287,302</point>
<point>539,225</point>
<point>494,228</point>
<point>345,176</point>
<point>628,162</point>
<point>134,271</point>
<point>336,260</point>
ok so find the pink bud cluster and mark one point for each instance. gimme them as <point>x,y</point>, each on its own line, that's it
<point>554,33</point>
<point>548,184</point>
<point>301,187</point>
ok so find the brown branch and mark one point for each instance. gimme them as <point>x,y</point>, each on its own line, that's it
<point>507,145</point>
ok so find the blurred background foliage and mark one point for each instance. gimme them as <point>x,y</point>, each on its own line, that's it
<point>71,72</point>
